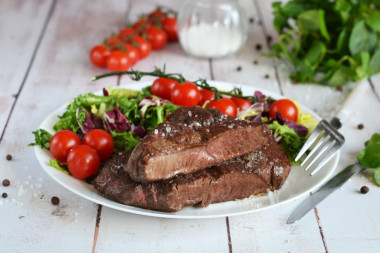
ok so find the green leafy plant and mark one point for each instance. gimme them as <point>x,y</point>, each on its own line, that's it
<point>369,157</point>
<point>328,42</point>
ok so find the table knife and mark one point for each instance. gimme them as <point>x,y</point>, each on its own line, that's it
<point>325,190</point>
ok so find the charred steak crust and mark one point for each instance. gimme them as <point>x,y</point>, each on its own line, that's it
<point>191,140</point>
<point>265,169</point>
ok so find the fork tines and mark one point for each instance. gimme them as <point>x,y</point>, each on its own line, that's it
<point>323,143</point>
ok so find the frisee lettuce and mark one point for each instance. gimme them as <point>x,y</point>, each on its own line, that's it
<point>369,157</point>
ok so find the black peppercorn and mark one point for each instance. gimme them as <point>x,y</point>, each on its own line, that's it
<point>251,20</point>
<point>239,68</point>
<point>266,76</point>
<point>4,195</point>
<point>8,157</point>
<point>55,200</point>
<point>364,189</point>
<point>255,62</point>
<point>6,182</point>
<point>360,126</point>
<point>258,47</point>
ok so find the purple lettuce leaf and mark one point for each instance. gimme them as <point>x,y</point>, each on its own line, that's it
<point>259,95</point>
<point>298,128</point>
<point>138,130</point>
<point>91,121</point>
<point>115,120</point>
<point>149,101</point>
<point>105,92</point>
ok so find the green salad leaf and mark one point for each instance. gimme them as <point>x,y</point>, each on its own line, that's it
<point>124,141</point>
<point>290,141</point>
<point>156,115</point>
<point>41,138</point>
<point>55,164</point>
<point>369,157</point>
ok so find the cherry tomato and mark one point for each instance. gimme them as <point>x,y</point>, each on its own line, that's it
<point>287,109</point>
<point>101,141</point>
<point>162,87</point>
<point>186,94</point>
<point>157,37</point>
<point>170,27</point>
<point>61,143</point>
<point>206,95</point>
<point>141,25</point>
<point>143,46</point>
<point>241,103</point>
<point>157,16</point>
<point>225,105</point>
<point>112,42</point>
<point>118,61</point>
<point>99,55</point>
<point>126,34</point>
<point>132,53</point>
<point>83,161</point>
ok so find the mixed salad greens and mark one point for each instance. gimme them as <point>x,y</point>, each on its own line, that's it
<point>127,115</point>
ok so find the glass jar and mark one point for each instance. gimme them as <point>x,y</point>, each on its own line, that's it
<point>211,28</point>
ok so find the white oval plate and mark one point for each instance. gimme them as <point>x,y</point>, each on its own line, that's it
<point>298,184</point>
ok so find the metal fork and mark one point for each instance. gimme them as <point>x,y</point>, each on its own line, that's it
<point>323,143</point>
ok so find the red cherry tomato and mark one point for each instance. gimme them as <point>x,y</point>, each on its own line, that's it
<point>99,55</point>
<point>132,53</point>
<point>101,141</point>
<point>118,61</point>
<point>287,109</point>
<point>162,87</point>
<point>157,37</point>
<point>143,46</point>
<point>206,95</point>
<point>83,161</point>
<point>141,25</point>
<point>126,34</point>
<point>170,27</point>
<point>112,42</point>
<point>241,103</point>
<point>225,105</point>
<point>61,143</point>
<point>157,16</point>
<point>186,94</point>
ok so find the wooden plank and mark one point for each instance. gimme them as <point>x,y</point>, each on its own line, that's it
<point>349,218</point>
<point>145,234</point>
<point>17,46</point>
<point>61,71</point>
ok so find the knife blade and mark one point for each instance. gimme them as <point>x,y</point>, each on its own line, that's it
<point>329,187</point>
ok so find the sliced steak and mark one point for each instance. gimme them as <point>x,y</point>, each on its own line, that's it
<point>191,140</point>
<point>252,174</point>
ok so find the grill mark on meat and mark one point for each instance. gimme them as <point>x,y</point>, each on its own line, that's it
<point>230,180</point>
<point>191,140</point>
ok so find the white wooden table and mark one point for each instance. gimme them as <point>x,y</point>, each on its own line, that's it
<point>44,63</point>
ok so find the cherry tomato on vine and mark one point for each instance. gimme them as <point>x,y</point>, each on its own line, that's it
<point>186,94</point>
<point>112,41</point>
<point>241,103</point>
<point>162,87</point>
<point>99,55</point>
<point>206,95</point>
<point>61,143</point>
<point>170,27</point>
<point>132,53</point>
<point>126,34</point>
<point>83,161</point>
<point>101,141</point>
<point>157,16</point>
<point>157,37</point>
<point>118,61</point>
<point>287,109</point>
<point>141,25</point>
<point>225,105</point>
<point>143,46</point>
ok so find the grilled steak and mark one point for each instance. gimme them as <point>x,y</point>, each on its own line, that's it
<point>265,169</point>
<point>191,140</point>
